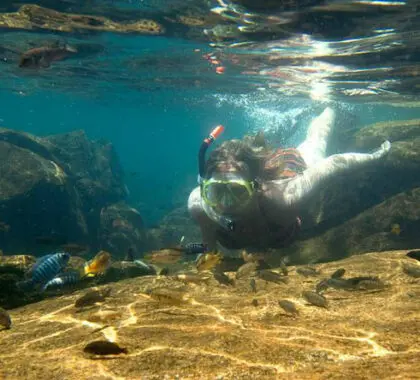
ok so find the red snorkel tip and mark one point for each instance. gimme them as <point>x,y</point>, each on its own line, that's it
<point>216,132</point>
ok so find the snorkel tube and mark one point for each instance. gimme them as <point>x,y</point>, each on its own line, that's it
<point>225,222</point>
<point>215,133</point>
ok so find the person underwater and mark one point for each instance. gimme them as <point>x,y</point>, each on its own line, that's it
<point>249,195</point>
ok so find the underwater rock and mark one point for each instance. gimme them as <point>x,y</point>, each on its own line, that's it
<point>372,136</point>
<point>31,16</point>
<point>12,270</point>
<point>173,226</point>
<point>101,181</point>
<point>371,228</point>
<point>177,331</point>
<point>36,196</point>
<point>124,269</point>
<point>122,229</point>
<point>15,263</point>
<point>48,189</point>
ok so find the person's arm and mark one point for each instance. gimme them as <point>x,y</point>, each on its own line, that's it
<point>295,190</point>
<point>206,224</point>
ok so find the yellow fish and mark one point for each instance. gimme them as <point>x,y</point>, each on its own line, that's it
<point>164,256</point>
<point>396,229</point>
<point>208,261</point>
<point>98,265</point>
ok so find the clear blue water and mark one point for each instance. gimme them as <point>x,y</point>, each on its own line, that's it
<point>157,137</point>
<point>155,97</point>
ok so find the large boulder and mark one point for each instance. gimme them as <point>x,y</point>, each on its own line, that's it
<point>373,227</point>
<point>173,227</point>
<point>121,229</point>
<point>56,186</point>
<point>36,195</point>
<point>12,270</point>
<point>94,166</point>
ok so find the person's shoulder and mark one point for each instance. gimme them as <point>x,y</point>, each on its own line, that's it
<point>194,200</point>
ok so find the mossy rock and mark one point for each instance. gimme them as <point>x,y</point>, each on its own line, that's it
<point>370,229</point>
<point>16,263</point>
<point>372,136</point>
<point>31,16</point>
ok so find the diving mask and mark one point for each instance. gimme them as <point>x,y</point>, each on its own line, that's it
<point>229,194</point>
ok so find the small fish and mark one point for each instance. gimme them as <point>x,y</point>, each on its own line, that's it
<point>164,256</point>
<point>99,329</point>
<point>340,283</point>
<point>98,265</point>
<point>130,255</point>
<point>288,306</point>
<point>315,299</point>
<point>169,296</point>
<point>230,264</point>
<point>254,257</point>
<point>55,240</point>
<point>104,347</point>
<point>63,279</point>
<point>322,286</point>
<point>5,319</point>
<point>148,268</point>
<point>4,227</point>
<point>104,316</point>
<point>46,268</point>
<point>356,281</point>
<point>92,297</point>
<point>247,257</point>
<point>74,248</point>
<point>262,264</point>
<point>338,273</point>
<point>43,56</point>
<point>208,261</point>
<point>195,248</point>
<point>283,267</point>
<point>254,302</point>
<point>164,271</point>
<point>253,285</point>
<point>192,277</point>
<point>246,270</point>
<point>371,284</point>
<point>222,278</point>
<point>396,229</point>
<point>411,270</point>
<point>307,271</point>
<point>271,276</point>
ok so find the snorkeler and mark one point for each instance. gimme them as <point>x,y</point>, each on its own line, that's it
<point>249,196</point>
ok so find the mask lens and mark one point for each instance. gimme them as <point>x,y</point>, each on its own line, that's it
<point>238,191</point>
<point>227,194</point>
<point>214,192</point>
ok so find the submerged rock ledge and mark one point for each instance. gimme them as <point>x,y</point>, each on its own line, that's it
<point>217,332</point>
